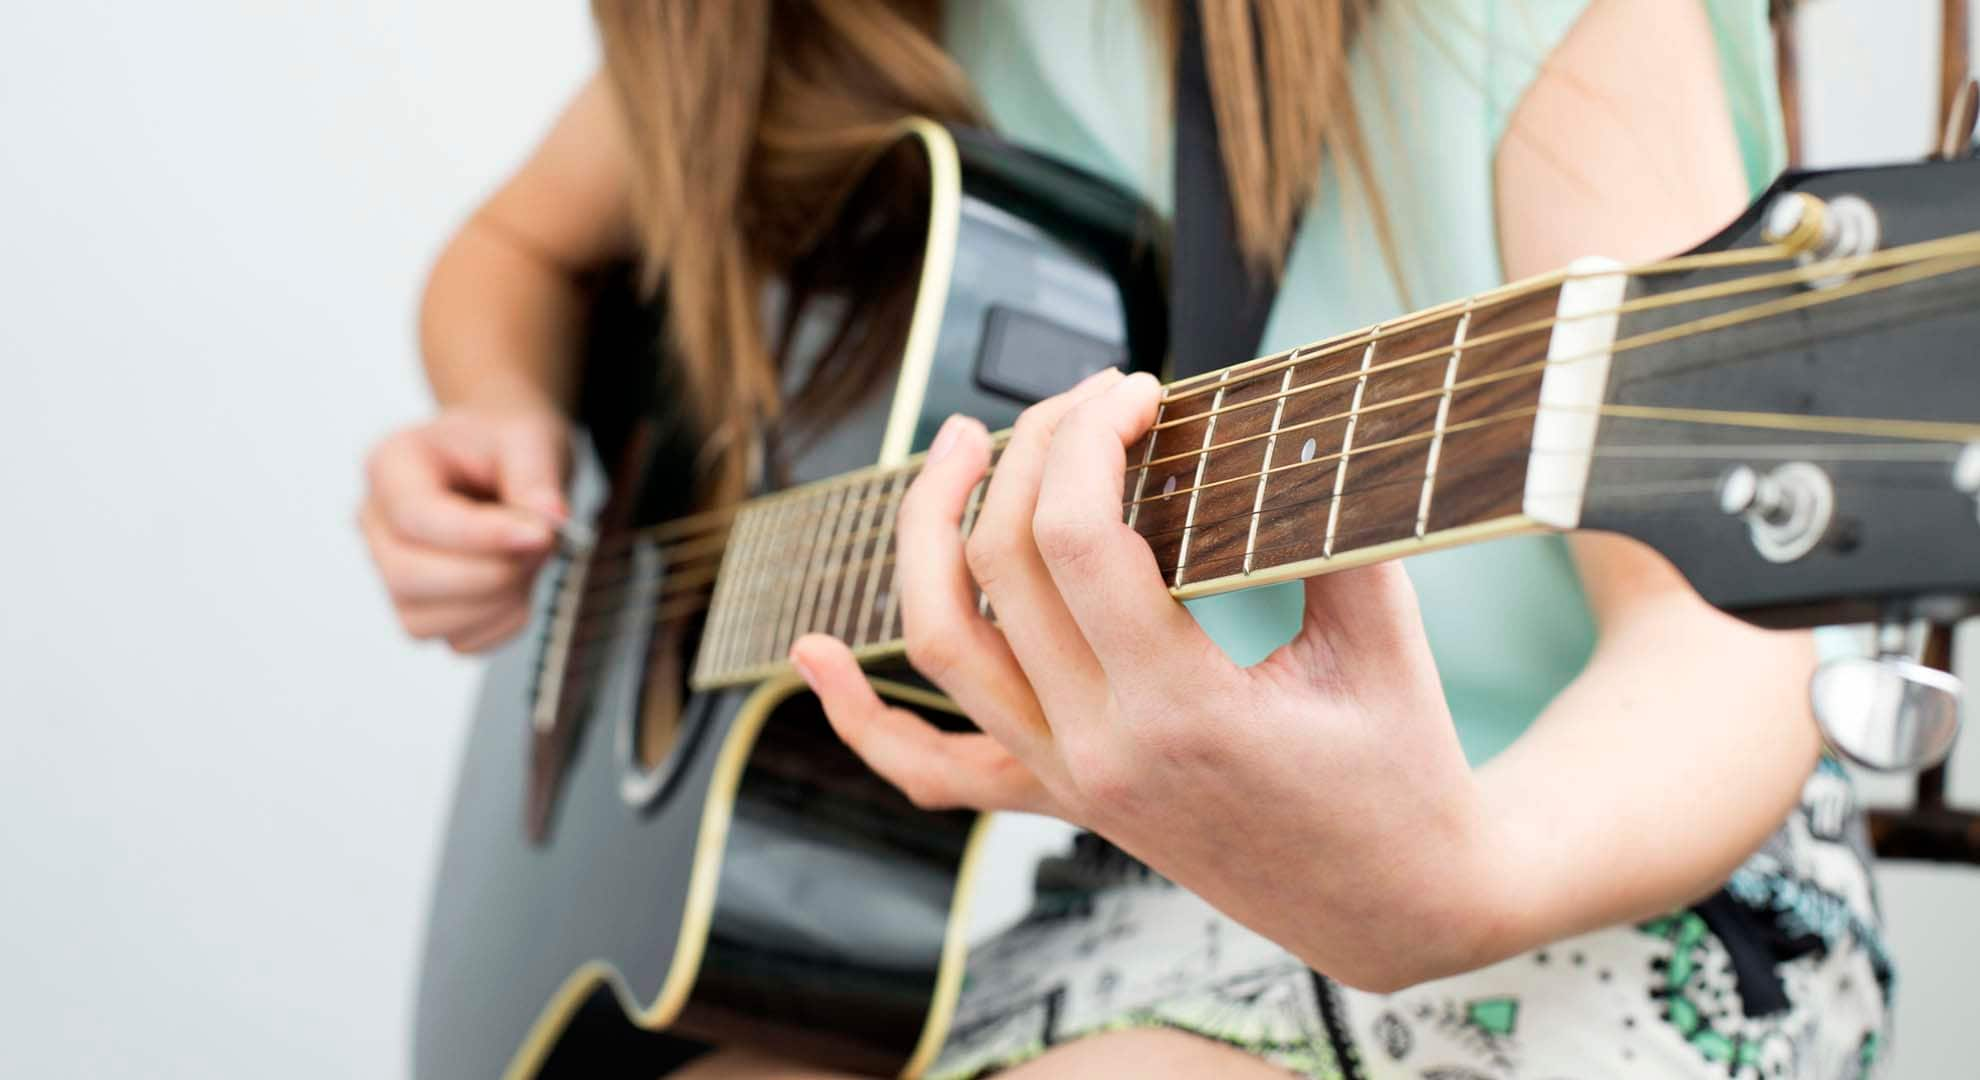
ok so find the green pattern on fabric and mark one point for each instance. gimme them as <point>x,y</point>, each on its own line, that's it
<point>1493,1016</point>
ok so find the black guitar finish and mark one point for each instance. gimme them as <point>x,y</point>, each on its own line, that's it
<point>718,867</point>
<point>828,898</point>
<point>1902,530</point>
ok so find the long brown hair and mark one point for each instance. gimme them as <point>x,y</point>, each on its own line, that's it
<point>750,119</point>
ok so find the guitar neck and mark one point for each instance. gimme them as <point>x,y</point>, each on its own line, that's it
<point>1463,422</point>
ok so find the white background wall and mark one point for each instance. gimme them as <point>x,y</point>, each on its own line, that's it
<point>222,774</point>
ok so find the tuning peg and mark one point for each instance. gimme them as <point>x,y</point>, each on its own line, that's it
<point>1821,231</point>
<point>1788,510</point>
<point>1888,713</point>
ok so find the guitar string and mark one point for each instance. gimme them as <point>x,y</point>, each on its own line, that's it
<point>1359,339</point>
<point>1505,294</point>
<point>802,576</point>
<point>839,511</point>
<point>1950,433</point>
<point>1961,243</point>
<point>1748,313</point>
<point>700,519</point>
<point>1836,425</point>
<point>1723,320</point>
<point>1657,489</point>
<point>1950,245</point>
<point>1751,284</point>
<point>879,558</point>
<point>1355,339</point>
<point>1925,431</point>
<point>673,602</point>
<point>1731,453</point>
<point>689,603</point>
<point>1726,453</point>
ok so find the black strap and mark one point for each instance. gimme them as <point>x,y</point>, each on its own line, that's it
<point>1217,305</point>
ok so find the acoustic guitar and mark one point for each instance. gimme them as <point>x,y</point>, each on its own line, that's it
<point>658,844</point>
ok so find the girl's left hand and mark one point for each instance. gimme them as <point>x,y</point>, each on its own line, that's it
<point>1320,797</point>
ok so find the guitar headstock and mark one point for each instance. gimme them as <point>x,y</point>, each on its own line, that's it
<point>1798,431</point>
<point>1792,417</point>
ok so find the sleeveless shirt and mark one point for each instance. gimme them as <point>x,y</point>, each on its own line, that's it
<point>1435,83</point>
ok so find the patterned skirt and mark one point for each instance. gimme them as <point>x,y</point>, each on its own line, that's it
<point>1781,973</point>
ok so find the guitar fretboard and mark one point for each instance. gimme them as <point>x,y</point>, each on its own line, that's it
<point>1403,437</point>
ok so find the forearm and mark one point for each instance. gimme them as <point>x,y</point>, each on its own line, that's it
<point>1673,756</point>
<point>499,324</point>
<point>504,310</point>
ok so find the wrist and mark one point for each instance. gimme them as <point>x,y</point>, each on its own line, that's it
<point>1509,873</point>
<point>1443,898</point>
<point>1472,887</point>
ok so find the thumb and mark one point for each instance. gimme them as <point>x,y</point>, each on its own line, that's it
<point>1366,617</point>
<point>529,460</point>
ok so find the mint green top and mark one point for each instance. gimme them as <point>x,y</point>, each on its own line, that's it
<point>1436,82</point>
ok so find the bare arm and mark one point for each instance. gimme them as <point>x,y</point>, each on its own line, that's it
<point>502,310</point>
<point>1624,148</point>
<point>458,509</point>
<point>1321,796</point>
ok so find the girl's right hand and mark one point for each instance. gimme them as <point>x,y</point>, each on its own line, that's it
<point>459,513</point>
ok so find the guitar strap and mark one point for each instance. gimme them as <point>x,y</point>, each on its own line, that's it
<point>1217,303</point>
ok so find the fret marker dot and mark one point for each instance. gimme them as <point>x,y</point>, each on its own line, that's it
<point>1306,450</point>
<point>1169,486</point>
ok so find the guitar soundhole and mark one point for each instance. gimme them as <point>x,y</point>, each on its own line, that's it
<point>660,729</point>
<point>660,715</point>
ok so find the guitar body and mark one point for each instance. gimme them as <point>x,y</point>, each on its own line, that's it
<point>634,870</point>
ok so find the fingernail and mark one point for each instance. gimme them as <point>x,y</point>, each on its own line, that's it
<point>1106,374</point>
<point>945,440</point>
<point>804,672</point>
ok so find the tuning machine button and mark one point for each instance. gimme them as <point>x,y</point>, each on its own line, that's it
<point>1816,230</point>
<point>1788,509</point>
<point>1888,713</point>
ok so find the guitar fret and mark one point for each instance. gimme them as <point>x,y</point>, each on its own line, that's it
<point>784,586</point>
<point>720,634</point>
<point>1141,475</point>
<point>829,564</point>
<point>895,486</point>
<point>1347,443</point>
<point>890,614</point>
<point>974,504</point>
<point>1265,467</point>
<point>812,581</point>
<point>716,621</point>
<point>774,541</point>
<point>893,565</point>
<point>1443,419</point>
<point>856,555</point>
<point>1425,440</point>
<point>731,582</point>
<point>816,595</point>
<point>838,559</point>
<point>1196,485</point>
